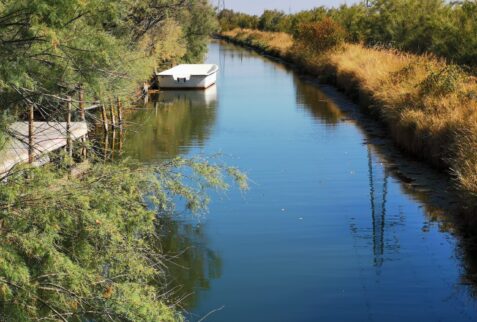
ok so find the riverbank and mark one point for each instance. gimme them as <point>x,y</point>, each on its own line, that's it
<point>428,106</point>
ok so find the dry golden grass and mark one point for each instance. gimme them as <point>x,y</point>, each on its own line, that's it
<point>439,126</point>
<point>429,107</point>
<point>277,42</point>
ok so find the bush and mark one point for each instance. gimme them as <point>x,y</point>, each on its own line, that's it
<point>321,36</point>
<point>442,82</point>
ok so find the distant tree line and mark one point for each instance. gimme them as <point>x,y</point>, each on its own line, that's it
<point>446,29</point>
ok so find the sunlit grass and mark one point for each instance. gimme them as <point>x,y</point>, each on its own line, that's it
<point>278,42</point>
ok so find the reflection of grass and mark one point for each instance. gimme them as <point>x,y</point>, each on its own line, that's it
<point>168,128</point>
<point>277,42</point>
<point>430,107</point>
<point>319,105</point>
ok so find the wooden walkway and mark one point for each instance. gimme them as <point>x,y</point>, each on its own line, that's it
<point>47,137</point>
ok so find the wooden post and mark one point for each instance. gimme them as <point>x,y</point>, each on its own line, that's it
<point>106,146</point>
<point>81,102</point>
<point>84,150</point>
<point>120,111</point>
<point>120,146</point>
<point>104,117</point>
<point>113,143</point>
<point>111,111</point>
<point>31,115</point>
<point>69,141</point>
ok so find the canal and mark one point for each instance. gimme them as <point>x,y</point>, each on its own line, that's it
<point>327,232</point>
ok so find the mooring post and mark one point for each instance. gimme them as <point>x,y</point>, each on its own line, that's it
<point>120,111</point>
<point>81,102</point>
<point>104,117</point>
<point>106,146</point>
<point>84,150</point>
<point>69,141</point>
<point>111,110</point>
<point>113,144</point>
<point>31,115</point>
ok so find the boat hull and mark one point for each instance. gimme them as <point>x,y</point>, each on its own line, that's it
<point>194,81</point>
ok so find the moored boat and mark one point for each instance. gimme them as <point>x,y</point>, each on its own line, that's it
<point>191,76</point>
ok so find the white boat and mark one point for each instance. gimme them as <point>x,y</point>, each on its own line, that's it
<point>188,76</point>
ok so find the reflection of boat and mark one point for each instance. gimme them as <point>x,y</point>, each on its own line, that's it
<point>189,76</point>
<point>206,97</point>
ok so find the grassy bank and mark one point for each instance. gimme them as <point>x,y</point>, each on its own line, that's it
<point>428,106</point>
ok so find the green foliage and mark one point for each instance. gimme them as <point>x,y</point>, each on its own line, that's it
<point>408,24</point>
<point>442,82</point>
<point>49,47</point>
<point>76,248</point>
<point>273,20</point>
<point>321,36</point>
<point>459,43</point>
<point>87,248</point>
<point>352,19</point>
<point>199,27</point>
<point>445,28</point>
<point>307,16</point>
<point>229,19</point>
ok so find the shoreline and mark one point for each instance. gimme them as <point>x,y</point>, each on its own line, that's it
<point>351,86</point>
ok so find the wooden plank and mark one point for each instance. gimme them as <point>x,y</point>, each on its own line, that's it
<point>47,137</point>
<point>92,107</point>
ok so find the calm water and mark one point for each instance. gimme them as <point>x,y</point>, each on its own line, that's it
<point>326,232</point>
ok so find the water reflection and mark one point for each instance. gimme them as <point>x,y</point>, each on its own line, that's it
<point>195,98</point>
<point>374,232</point>
<point>440,207</point>
<point>170,123</point>
<point>377,196</point>
<point>192,264</point>
<point>309,97</point>
<point>377,234</point>
<point>400,255</point>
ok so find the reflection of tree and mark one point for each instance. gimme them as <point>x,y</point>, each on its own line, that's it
<point>316,102</point>
<point>434,206</point>
<point>378,210</point>
<point>192,264</point>
<point>167,129</point>
<point>374,230</point>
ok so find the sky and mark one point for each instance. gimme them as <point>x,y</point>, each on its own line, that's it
<point>257,6</point>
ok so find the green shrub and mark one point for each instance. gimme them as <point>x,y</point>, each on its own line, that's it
<point>321,36</point>
<point>442,82</point>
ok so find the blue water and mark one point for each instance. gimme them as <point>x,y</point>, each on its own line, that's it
<point>326,232</point>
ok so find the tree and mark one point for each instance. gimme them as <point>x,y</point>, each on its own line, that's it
<point>322,36</point>
<point>109,46</point>
<point>89,247</point>
<point>446,29</point>
<point>271,20</point>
